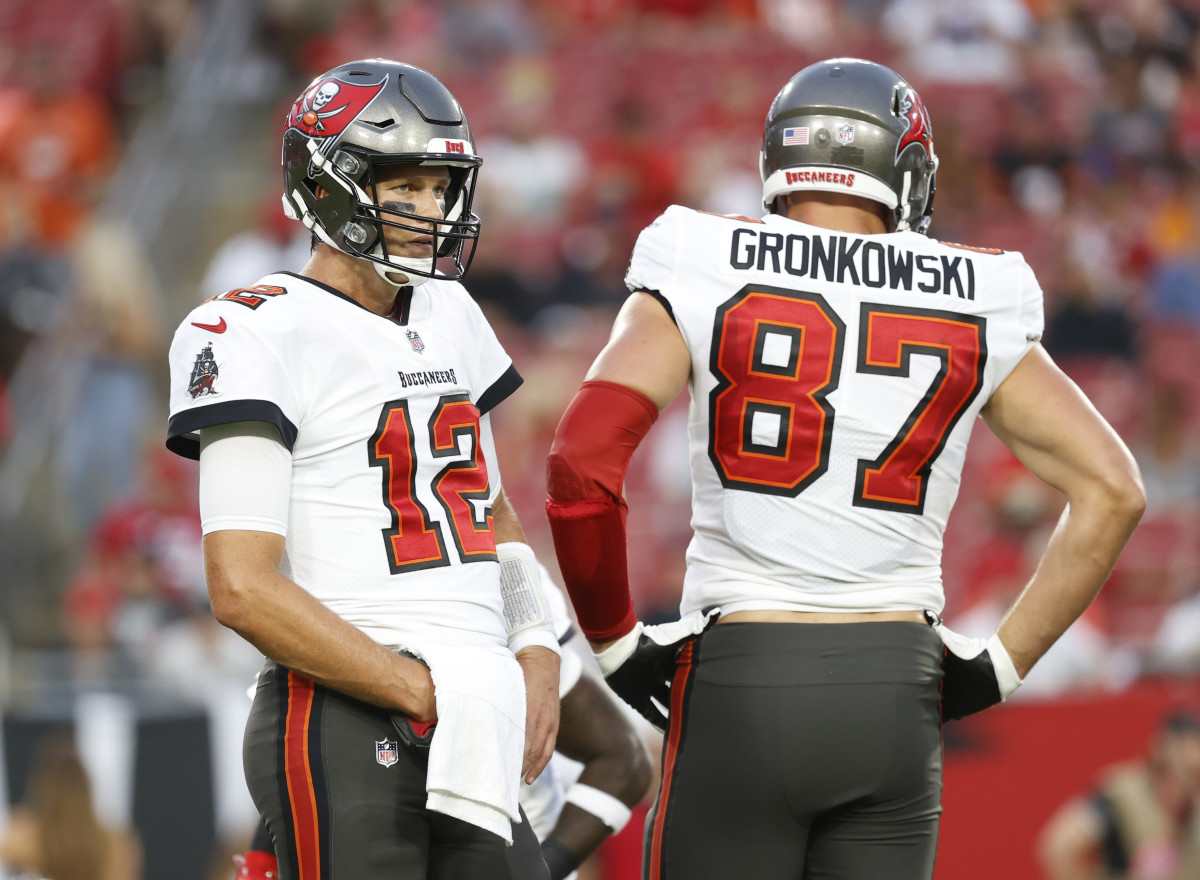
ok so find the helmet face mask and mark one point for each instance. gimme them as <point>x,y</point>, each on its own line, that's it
<point>344,131</point>
<point>853,127</point>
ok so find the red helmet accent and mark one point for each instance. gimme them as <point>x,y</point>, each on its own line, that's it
<point>327,106</point>
<point>913,109</point>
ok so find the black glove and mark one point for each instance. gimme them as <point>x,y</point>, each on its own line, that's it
<point>640,665</point>
<point>978,673</point>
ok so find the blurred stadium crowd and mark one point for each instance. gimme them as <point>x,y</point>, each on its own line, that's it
<point>1067,129</point>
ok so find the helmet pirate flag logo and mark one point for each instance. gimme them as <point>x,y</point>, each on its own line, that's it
<point>327,106</point>
<point>912,108</point>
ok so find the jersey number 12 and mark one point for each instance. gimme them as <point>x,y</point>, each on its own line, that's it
<point>413,541</point>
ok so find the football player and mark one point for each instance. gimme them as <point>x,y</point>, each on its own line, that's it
<point>599,771</point>
<point>836,359</point>
<point>355,528</point>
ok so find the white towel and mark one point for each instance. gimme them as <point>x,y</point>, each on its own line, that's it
<point>478,748</point>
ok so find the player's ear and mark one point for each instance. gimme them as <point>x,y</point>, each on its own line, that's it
<point>321,192</point>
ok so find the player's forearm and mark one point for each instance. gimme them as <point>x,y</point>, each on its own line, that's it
<point>505,522</point>
<point>1078,559</point>
<point>626,775</point>
<point>295,630</point>
<point>540,667</point>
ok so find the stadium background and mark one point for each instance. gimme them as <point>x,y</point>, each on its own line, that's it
<point>139,174</point>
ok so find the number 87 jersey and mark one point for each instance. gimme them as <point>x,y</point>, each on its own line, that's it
<point>835,381</point>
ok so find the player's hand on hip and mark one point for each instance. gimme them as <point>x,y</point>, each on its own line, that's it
<point>978,672</point>
<point>540,666</point>
<point>640,665</point>
<point>421,705</point>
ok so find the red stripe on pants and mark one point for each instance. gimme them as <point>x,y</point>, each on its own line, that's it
<point>302,799</point>
<point>683,669</point>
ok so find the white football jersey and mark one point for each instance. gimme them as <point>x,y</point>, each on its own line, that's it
<point>835,381</point>
<point>393,467</point>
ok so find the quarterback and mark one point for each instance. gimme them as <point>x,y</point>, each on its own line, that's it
<point>355,527</point>
<point>836,360</point>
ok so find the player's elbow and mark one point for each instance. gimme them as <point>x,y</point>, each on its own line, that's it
<point>1113,489</point>
<point>1124,495</point>
<point>566,480</point>
<point>229,596</point>
<point>229,607</point>
<point>594,442</point>
<point>641,773</point>
<point>633,770</point>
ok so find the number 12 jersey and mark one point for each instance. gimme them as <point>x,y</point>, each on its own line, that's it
<point>393,466</point>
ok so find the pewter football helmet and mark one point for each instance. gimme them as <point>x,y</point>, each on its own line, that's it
<point>851,126</point>
<point>345,125</point>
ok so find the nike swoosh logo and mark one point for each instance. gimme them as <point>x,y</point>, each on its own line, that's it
<point>218,327</point>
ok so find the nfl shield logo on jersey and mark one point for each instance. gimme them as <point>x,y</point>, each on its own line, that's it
<point>414,339</point>
<point>385,752</point>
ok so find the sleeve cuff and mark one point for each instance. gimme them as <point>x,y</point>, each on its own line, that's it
<point>182,430</point>
<point>499,390</point>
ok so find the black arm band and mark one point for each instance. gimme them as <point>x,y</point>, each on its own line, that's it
<point>560,860</point>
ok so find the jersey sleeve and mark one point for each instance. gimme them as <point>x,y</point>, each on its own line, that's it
<point>652,266</point>
<point>227,368</point>
<point>1023,325</point>
<point>494,376</point>
<point>1032,317</point>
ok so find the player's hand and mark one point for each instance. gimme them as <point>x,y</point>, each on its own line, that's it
<point>422,703</point>
<point>978,673</point>
<point>540,666</point>
<point>414,734</point>
<point>640,665</point>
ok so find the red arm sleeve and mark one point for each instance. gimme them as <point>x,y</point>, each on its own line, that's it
<point>585,472</point>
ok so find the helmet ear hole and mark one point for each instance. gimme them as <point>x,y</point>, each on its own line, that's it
<point>349,164</point>
<point>357,235</point>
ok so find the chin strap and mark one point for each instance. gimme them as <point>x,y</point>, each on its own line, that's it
<point>386,273</point>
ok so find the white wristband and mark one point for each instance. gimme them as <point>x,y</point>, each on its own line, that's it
<point>527,618</point>
<point>539,636</point>
<point>1006,671</point>
<point>600,804</point>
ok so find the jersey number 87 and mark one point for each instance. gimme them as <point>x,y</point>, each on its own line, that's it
<point>777,356</point>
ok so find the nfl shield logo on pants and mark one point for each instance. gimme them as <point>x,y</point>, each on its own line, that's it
<point>385,752</point>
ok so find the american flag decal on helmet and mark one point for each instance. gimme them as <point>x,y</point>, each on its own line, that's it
<point>795,136</point>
